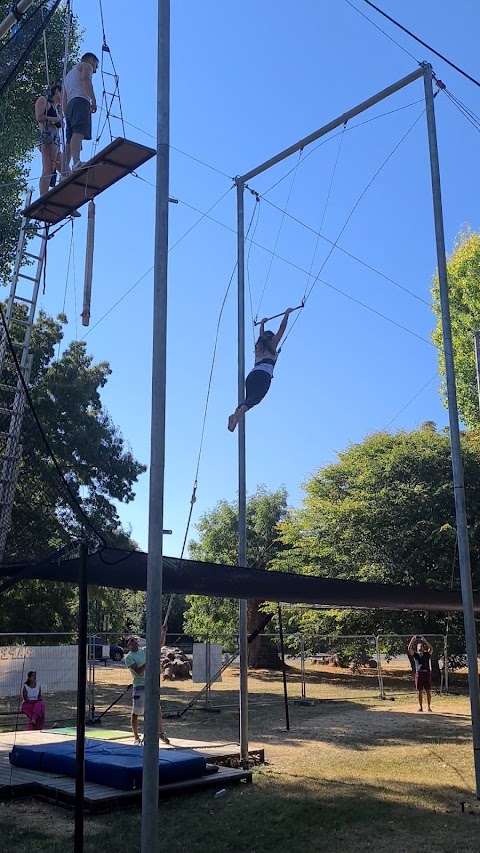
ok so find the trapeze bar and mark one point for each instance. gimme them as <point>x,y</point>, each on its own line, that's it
<point>257,322</point>
<point>118,159</point>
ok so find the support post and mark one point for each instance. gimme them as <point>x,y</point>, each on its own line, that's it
<point>445,662</point>
<point>149,841</point>
<point>457,465</point>
<point>87,286</point>
<point>302,667</point>
<point>476,341</point>
<point>81,697</point>
<point>284,672</point>
<point>379,668</point>
<point>242,486</point>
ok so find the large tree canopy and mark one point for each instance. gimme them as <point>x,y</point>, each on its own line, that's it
<point>98,465</point>
<point>18,132</point>
<point>463,284</point>
<point>384,512</point>
<point>217,618</point>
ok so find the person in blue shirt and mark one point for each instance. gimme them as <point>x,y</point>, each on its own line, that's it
<point>135,661</point>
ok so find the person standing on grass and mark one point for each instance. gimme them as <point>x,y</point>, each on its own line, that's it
<point>422,662</point>
<point>135,661</point>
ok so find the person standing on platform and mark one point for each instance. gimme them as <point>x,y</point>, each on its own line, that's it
<point>79,103</point>
<point>49,123</point>
<point>135,661</point>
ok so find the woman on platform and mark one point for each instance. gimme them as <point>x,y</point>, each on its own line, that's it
<point>49,122</point>
<point>33,706</point>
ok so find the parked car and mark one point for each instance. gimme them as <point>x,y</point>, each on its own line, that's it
<point>100,647</point>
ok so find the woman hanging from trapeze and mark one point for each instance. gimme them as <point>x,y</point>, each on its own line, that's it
<point>259,379</point>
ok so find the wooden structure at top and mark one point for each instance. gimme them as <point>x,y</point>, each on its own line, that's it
<point>118,159</point>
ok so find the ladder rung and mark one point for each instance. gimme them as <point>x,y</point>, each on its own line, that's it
<point>6,411</point>
<point>28,277</point>
<point>24,298</point>
<point>34,257</point>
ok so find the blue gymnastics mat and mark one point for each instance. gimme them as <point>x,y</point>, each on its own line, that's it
<point>106,763</point>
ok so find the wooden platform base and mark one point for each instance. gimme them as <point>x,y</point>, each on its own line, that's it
<point>17,783</point>
<point>118,159</point>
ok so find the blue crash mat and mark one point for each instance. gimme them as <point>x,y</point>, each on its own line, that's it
<point>107,763</point>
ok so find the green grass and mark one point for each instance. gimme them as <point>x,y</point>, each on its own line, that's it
<point>350,777</point>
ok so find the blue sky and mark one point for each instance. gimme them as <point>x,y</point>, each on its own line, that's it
<point>249,79</point>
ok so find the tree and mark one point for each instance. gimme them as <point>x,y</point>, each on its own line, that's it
<point>385,513</point>
<point>89,448</point>
<point>463,277</point>
<point>217,618</point>
<point>18,132</point>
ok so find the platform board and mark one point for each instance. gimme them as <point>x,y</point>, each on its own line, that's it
<point>117,160</point>
<point>16,782</point>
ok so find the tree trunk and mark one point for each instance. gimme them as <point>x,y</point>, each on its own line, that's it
<point>263,651</point>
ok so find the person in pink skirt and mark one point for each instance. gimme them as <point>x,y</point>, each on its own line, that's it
<point>33,705</point>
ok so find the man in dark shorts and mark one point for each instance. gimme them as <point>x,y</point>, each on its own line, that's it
<point>423,676</point>
<point>79,104</point>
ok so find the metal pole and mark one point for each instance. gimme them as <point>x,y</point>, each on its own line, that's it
<point>332,125</point>
<point>457,465</point>
<point>242,483</point>
<point>284,672</point>
<point>87,285</point>
<point>11,19</point>
<point>476,339</point>
<point>302,667</point>
<point>149,843</point>
<point>81,697</point>
<point>379,668</point>
<point>445,662</point>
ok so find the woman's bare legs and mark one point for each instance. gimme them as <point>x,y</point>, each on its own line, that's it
<point>234,419</point>
<point>50,162</point>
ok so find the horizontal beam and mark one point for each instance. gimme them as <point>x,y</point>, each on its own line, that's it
<point>307,140</point>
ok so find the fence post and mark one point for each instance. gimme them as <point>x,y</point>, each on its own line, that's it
<point>445,658</point>
<point>379,667</point>
<point>302,667</point>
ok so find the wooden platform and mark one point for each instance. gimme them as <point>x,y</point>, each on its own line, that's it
<point>117,160</point>
<point>16,782</point>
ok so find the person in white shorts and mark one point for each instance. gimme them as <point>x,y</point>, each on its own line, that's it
<point>135,660</point>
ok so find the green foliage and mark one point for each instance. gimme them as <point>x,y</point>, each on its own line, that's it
<point>18,132</point>
<point>463,278</point>
<point>218,542</point>
<point>384,513</point>
<point>97,464</point>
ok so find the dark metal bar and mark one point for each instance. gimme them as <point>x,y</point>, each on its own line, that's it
<point>267,319</point>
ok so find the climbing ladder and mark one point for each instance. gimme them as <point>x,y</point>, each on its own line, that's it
<point>20,316</point>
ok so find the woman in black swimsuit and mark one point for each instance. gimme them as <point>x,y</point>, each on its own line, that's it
<point>259,379</point>
<point>49,122</point>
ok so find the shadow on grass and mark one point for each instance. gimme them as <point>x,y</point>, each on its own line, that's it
<point>275,815</point>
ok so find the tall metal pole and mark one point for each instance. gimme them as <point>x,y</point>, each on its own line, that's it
<point>242,479</point>
<point>457,465</point>
<point>149,842</point>
<point>81,697</point>
<point>476,340</point>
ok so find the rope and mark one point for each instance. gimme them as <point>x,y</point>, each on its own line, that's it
<point>361,196</point>
<point>295,171</point>
<point>205,413</point>
<point>342,136</point>
<point>422,389</point>
<point>257,208</point>
<point>116,89</point>
<point>423,43</point>
<point>382,31</point>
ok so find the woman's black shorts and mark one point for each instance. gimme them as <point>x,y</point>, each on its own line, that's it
<point>256,386</point>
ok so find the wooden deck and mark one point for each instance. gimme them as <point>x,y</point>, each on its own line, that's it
<point>16,782</point>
